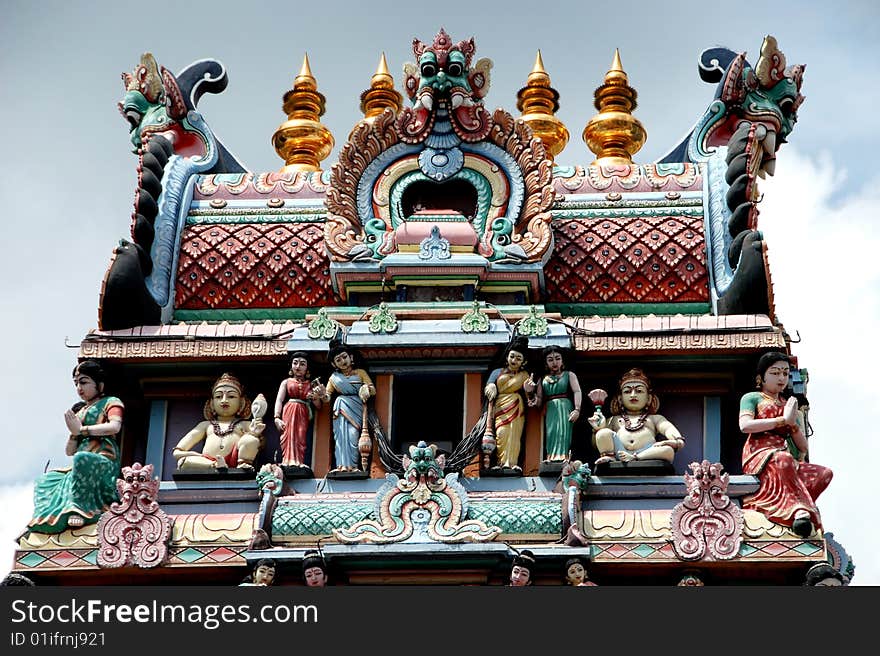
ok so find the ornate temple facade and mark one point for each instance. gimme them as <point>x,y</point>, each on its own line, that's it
<point>443,350</point>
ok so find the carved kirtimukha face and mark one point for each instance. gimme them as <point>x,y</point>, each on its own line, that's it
<point>515,360</point>
<point>226,401</point>
<point>634,395</point>
<point>776,377</point>
<point>444,77</point>
<point>315,577</point>
<point>264,575</point>
<point>86,388</point>
<point>575,574</point>
<point>299,367</point>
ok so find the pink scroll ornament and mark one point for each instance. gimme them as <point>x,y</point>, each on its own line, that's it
<point>707,525</point>
<point>134,531</point>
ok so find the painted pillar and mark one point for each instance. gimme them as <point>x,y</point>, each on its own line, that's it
<point>473,408</point>
<point>382,402</point>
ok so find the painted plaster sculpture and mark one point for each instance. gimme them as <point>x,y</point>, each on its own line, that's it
<point>297,399</point>
<point>425,505</point>
<point>691,578</point>
<point>824,574</point>
<point>753,113</point>
<point>160,109</point>
<point>263,574</point>
<point>560,393</point>
<point>521,569</point>
<point>506,414</point>
<point>575,573</point>
<point>77,495</point>
<point>446,136</point>
<point>229,439</point>
<point>575,478</point>
<point>314,570</point>
<point>776,451</point>
<point>350,388</point>
<point>134,531</point>
<point>707,525</point>
<point>632,432</point>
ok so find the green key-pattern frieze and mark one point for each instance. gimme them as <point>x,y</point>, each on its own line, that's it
<point>535,517</point>
<point>295,519</point>
<point>629,309</point>
<point>252,315</point>
<point>475,320</point>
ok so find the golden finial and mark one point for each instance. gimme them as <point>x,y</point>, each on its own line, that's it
<point>614,134</point>
<point>538,102</point>
<point>381,93</point>
<point>302,141</point>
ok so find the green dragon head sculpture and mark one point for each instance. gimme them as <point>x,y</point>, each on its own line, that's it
<point>153,103</point>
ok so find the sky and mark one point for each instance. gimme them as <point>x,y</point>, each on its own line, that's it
<point>67,177</point>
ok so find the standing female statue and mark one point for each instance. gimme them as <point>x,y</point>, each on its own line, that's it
<point>508,415</point>
<point>789,484</point>
<point>561,391</point>
<point>76,495</point>
<point>297,396</point>
<point>352,388</point>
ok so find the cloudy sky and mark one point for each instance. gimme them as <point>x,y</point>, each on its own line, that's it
<point>67,176</point>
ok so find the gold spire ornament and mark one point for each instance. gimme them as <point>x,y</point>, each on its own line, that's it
<point>539,102</point>
<point>614,134</point>
<point>381,93</point>
<point>302,141</point>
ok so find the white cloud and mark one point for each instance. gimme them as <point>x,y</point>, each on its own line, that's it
<point>17,502</point>
<point>823,252</point>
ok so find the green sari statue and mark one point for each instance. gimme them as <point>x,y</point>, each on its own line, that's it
<point>73,496</point>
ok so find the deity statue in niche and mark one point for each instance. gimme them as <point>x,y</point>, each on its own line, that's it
<point>634,432</point>
<point>297,399</point>
<point>506,410</point>
<point>230,440</point>
<point>350,388</point>
<point>776,451</point>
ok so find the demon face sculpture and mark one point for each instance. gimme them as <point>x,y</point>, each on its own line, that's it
<point>443,78</point>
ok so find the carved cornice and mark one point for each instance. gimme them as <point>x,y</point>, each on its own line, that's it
<point>182,349</point>
<point>707,342</point>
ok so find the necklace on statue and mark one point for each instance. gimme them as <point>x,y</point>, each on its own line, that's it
<point>640,424</point>
<point>221,432</point>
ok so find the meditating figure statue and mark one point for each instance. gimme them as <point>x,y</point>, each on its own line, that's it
<point>635,431</point>
<point>230,440</point>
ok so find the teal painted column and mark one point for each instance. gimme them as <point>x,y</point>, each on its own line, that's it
<point>712,428</point>
<point>156,436</point>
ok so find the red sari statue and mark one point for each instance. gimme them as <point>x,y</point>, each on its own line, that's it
<point>776,449</point>
<point>297,396</point>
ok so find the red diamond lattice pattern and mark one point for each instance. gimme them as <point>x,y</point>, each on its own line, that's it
<point>626,260</point>
<point>253,266</point>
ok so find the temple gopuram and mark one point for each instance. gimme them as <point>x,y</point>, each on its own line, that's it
<point>442,359</point>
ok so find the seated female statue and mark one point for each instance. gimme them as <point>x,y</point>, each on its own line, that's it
<point>76,495</point>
